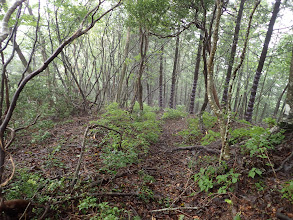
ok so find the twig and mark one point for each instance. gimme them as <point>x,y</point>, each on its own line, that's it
<point>111,129</point>
<point>175,209</point>
<point>79,159</point>
<point>282,164</point>
<point>197,147</point>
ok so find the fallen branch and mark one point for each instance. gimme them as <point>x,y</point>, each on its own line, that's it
<point>282,216</point>
<point>197,147</point>
<point>111,129</point>
<point>102,181</point>
<point>282,164</point>
<point>175,209</point>
<point>79,159</point>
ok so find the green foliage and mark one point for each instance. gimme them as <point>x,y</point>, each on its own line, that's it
<point>261,140</point>
<point>148,14</point>
<point>138,130</point>
<point>192,132</point>
<point>237,135</point>
<point>103,210</point>
<point>287,190</point>
<point>145,193</point>
<point>87,203</point>
<point>271,122</point>
<point>254,171</point>
<point>209,121</point>
<point>40,136</point>
<point>212,176</point>
<point>25,185</point>
<point>173,114</point>
<point>210,137</point>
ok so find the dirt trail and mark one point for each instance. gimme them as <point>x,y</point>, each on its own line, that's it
<point>163,175</point>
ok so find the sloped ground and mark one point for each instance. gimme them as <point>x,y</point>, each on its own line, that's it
<point>165,177</point>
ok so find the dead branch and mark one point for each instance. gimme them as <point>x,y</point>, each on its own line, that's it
<point>111,129</point>
<point>282,164</point>
<point>175,209</point>
<point>79,159</point>
<point>282,216</point>
<point>102,181</point>
<point>197,147</point>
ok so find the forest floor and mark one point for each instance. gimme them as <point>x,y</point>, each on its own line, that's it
<point>166,176</point>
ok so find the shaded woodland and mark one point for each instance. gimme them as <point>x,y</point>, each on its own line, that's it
<point>142,109</point>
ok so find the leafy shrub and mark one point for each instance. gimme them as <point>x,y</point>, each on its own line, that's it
<point>192,132</point>
<point>209,121</point>
<point>261,140</point>
<point>103,210</point>
<point>287,190</point>
<point>25,185</point>
<point>239,134</point>
<point>173,114</point>
<point>210,137</point>
<point>138,130</point>
<point>212,176</point>
<point>271,122</point>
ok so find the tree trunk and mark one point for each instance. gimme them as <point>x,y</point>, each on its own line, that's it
<point>232,54</point>
<point>173,84</point>
<point>279,101</point>
<point>123,71</point>
<point>287,121</point>
<point>138,85</point>
<point>248,115</point>
<point>195,78</point>
<point>161,79</point>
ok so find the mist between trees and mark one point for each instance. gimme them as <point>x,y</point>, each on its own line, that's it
<point>66,57</point>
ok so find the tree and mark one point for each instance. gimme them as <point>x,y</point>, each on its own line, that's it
<point>174,73</point>
<point>86,24</point>
<point>287,121</point>
<point>233,52</point>
<point>249,111</point>
<point>195,77</point>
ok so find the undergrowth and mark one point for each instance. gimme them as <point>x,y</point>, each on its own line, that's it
<point>128,135</point>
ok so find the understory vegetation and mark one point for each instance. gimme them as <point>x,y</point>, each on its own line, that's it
<point>146,109</point>
<point>118,144</point>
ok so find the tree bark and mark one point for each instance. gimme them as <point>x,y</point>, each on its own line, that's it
<point>232,54</point>
<point>287,121</point>
<point>161,79</point>
<point>138,85</point>
<point>195,78</point>
<point>173,83</point>
<point>249,111</point>
<point>123,71</point>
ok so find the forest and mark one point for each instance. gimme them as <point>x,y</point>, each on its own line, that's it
<point>146,109</point>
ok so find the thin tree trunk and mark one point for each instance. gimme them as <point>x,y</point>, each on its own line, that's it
<point>248,115</point>
<point>232,54</point>
<point>161,79</point>
<point>287,121</point>
<point>279,101</point>
<point>173,84</point>
<point>195,78</point>
<point>123,71</point>
<point>138,85</point>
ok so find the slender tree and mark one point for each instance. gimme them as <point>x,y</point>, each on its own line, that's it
<point>195,76</point>
<point>249,111</point>
<point>174,73</point>
<point>233,52</point>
